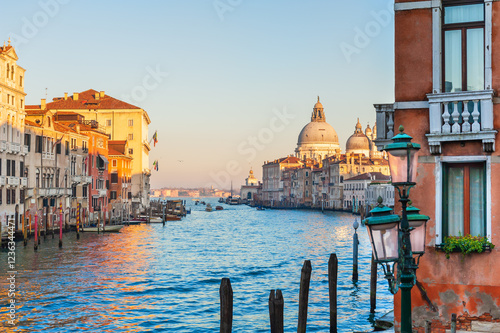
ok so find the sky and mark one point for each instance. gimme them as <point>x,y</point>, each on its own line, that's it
<point>228,84</point>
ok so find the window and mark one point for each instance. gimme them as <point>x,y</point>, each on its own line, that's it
<point>21,81</point>
<point>112,195</point>
<point>131,137</point>
<point>464,199</point>
<point>108,122</point>
<point>84,191</point>
<point>114,163</point>
<point>129,195</point>
<point>66,148</point>
<point>131,122</point>
<point>131,151</point>
<point>114,178</point>
<point>463,33</point>
<point>27,141</point>
<point>58,148</point>
<point>1,192</point>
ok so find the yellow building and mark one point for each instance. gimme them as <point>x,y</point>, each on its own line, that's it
<point>12,147</point>
<point>122,121</point>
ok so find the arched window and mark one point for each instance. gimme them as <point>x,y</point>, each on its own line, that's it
<point>12,72</point>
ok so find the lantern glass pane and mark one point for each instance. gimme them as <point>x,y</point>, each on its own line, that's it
<point>384,238</point>
<point>399,165</point>
<point>417,236</point>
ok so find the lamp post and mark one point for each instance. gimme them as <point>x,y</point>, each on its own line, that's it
<point>392,236</point>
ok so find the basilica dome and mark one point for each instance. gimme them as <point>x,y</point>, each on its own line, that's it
<point>318,132</point>
<point>318,139</point>
<point>358,142</point>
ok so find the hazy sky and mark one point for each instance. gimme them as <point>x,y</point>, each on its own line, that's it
<point>228,84</point>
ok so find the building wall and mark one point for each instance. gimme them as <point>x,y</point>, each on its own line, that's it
<point>465,285</point>
<point>11,135</point>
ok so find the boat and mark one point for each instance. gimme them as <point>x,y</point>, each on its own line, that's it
<point>219,208</point>
<point>221,200</point>
<point>260,208</point>
<point>209,208</point>
<point>107,228</point>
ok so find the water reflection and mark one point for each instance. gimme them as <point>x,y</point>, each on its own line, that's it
<point>152,278</point>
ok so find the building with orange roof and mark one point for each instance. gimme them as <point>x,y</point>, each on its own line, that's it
<point>121,121</point>
<point>120,177</point>
<point>12,148</point>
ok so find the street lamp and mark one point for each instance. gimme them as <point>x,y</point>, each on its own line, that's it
<point>393,237</point>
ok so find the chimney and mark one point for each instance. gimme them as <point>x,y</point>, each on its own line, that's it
<point>97,95</point>
<point>65,96</point>
<point>75,96</point>
<point>77,128</point>
<point>43,104</point>
<point>101,94</point>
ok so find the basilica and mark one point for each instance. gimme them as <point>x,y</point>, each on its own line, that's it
<point>314,176</point>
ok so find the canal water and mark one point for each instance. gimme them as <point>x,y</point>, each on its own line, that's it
<point>150,278</point>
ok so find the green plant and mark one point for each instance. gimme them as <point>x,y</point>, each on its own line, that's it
<point>465,244</point>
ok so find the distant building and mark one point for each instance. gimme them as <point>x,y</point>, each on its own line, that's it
<point>251,187</point>
<point>355,190</point>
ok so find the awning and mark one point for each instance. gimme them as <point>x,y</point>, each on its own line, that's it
<point>105,160</point>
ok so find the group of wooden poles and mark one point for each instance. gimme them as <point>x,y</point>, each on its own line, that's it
<point>276,302</point>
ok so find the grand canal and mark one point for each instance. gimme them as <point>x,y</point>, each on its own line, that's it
<point>150,278</point>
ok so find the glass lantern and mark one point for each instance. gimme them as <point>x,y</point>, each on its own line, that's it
<point>418,222</point>
<point>402,158</point>
<point>383,228</point>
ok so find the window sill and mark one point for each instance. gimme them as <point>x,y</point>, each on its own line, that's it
<point>440,248</point>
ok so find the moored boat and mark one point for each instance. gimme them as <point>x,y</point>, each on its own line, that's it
<point>209,208</point>
<point>219,208</point>
<point>107,228</point>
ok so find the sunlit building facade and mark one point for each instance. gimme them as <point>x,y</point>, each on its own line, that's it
<point>12,148</point>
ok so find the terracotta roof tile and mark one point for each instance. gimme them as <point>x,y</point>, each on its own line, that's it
<point>86,100</point>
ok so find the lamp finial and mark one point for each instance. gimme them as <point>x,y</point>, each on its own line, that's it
<point>401,128</point>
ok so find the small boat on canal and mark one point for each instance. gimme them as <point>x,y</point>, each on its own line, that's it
<point>219,208</point>
<point>107,228</point>
<point>209,208</point>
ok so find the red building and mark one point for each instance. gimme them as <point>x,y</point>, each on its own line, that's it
<point>446,57</point>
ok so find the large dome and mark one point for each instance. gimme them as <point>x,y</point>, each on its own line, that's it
<point>318,132</point>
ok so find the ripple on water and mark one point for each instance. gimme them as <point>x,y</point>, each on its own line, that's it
<point>150,278</point>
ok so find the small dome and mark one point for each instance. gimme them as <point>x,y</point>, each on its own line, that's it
<point>318,132</point>
<point>357,141</point>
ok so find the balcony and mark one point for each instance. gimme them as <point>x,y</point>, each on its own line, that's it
<point>13,181</point>
<point>24,182</point>
<point>25,150</point>
<point>86,179</point>
<point>3,145</point>
<point>15,148</point>
<point>461,116</point>
<point>48,156</point>
<point>76,179</point>
<point>2,180</point>
<point>385,124</point>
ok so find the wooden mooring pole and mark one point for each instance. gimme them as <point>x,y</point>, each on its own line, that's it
<point>355,243</point>
<point>226,306</point>
<point>373,286</point>
<point>453,328</point>
<point>333,266</point>
<point>276,305</point>
<point>305,279</point>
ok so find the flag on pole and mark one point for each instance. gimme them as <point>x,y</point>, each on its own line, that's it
<point>155,138</point>
<point>155,165</point>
